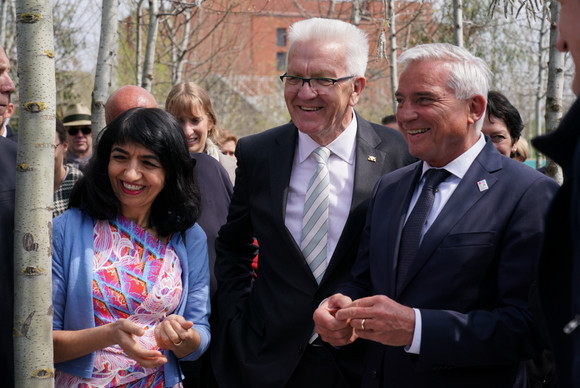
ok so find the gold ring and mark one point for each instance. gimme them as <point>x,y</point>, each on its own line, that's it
<point>362,324</point>
<point>177,344</point>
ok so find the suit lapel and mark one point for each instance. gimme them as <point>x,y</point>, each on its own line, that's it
<point>369,161</point>
<point>403,192</point>
<point>280,166</point>
<point>465,196</point>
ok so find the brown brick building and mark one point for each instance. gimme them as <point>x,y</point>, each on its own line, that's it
<point>239,49</point>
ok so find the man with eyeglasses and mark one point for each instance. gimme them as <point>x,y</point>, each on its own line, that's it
<point>302,190</point>
<point>77,121</point>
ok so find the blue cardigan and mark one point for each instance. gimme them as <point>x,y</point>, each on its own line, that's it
<point>72,275</point>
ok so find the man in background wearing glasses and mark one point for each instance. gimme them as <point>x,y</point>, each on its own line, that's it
<point>77,121</point>
<point>302,190</point>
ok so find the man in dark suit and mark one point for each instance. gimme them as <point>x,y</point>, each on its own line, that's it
<point>7,187</point>
<point>559,268</point>
<point>265,334</point>
<point>443,295</point>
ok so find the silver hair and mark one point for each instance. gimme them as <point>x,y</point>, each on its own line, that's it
<point>354,40</point>
<point>468,76</point>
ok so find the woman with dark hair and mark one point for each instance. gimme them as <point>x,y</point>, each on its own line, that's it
<point>130,273</point>
<point>503,123</point>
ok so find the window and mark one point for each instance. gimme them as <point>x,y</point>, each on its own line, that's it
<point>280,61</point>
<point>281,37</point>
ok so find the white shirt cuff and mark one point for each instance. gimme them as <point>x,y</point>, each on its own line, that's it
<point>415,346</point>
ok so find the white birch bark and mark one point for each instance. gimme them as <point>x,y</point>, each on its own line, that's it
<point>181,47</point>
<point>356,12</point>
<point>138,20</point>
<point>393,53</point>
<point>3,22</point>
<point>105,63</point>
<point>33,351</point>
<point>331,4</point>
<point>8,27</point>
<point>540,83</point>
<point>555,89</point>
<point>148,64</point>
<point>458,15</point>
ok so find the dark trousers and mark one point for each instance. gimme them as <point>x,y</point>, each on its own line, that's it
<point>317,369</point>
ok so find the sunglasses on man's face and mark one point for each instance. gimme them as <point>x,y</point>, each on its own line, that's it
<point>74,130</point>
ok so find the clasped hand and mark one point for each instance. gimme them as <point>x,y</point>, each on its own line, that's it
<point>173,333</point>
<point>340,321</point>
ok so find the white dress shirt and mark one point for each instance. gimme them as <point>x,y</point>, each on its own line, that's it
<point>457,167</point>
<point>341,165</point>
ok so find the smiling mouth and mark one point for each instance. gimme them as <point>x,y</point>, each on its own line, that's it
<point>417,131</point>
<point>309,108</point>
<point>130,188</point>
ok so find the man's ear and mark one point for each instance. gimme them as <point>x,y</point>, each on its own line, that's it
<point>359,85</point>
<point>476,108</point>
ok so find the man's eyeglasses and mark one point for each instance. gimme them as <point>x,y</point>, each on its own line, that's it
<point>74,130</point>
<point>316,83</point>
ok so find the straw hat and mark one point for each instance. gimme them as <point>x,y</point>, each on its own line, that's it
<point>76,114</point>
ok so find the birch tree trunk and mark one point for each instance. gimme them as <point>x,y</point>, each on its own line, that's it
<point>540,84</point>
<point>8,27</point>
<point>180,49</point>
<point>458,30</point>
<point>554,108</point>
<point>356,12</point>
<point>3,22</point>
<point>105,62</point>
<point>330,11</point>
<point>393,53</point>
<point>147,80</point>
<point>33,352</point>
<point>138,19</point>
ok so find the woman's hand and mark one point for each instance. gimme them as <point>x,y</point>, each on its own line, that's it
<point>176,334</point>
<point>71,344</point>
<point>124,332</point>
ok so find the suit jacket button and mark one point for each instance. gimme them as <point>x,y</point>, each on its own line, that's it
<point>300,349</point>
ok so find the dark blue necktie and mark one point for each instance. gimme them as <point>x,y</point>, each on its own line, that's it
<point>412,230</point>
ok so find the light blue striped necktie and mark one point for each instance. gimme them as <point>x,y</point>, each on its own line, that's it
<point>315,219</point>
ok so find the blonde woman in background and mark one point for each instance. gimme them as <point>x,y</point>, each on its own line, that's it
<point>191,105</point>
<point>229,144</point>
<point>522,152</point>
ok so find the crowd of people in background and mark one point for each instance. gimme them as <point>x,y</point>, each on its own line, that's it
<point>327,252</point>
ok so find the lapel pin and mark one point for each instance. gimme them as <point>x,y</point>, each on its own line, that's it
<point>482,184</point>
<point>372,159</point>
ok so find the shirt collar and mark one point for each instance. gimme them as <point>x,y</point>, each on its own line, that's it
<point>343,146</point>
<point>461,164</point>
